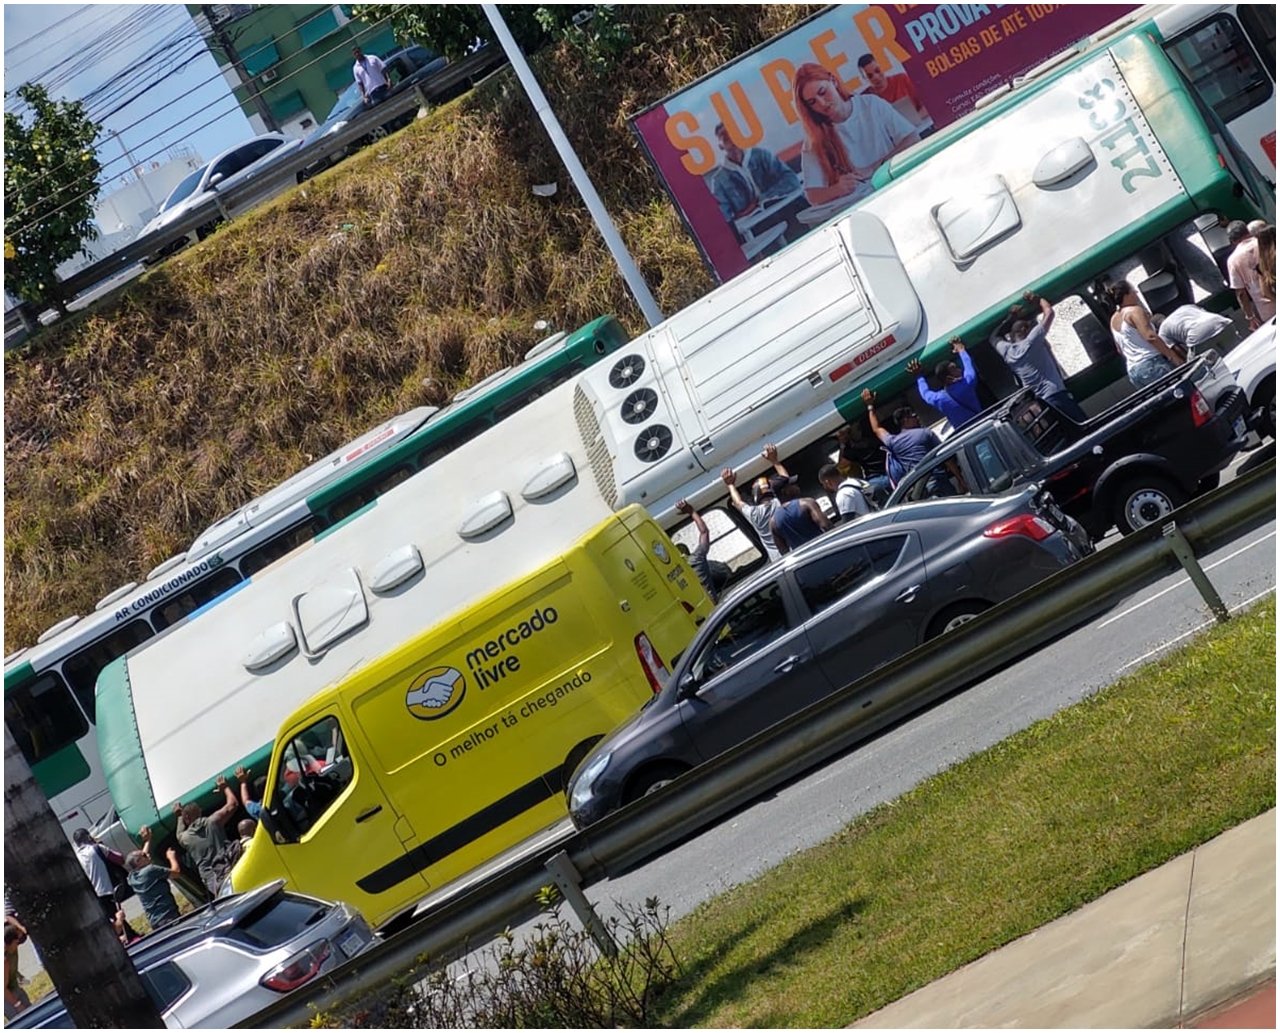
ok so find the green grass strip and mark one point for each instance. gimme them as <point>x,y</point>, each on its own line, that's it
<point>991,849</point>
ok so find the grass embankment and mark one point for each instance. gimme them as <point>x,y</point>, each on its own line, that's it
<point>998,845</point>
<point>416,267</point>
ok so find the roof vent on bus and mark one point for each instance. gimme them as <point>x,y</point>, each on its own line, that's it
<point>1063,162</point>
<point>111,597</point>
<point>626,371</point>
<point>277,642</point>
<point>395,568</point>
<point>640,405</point>
<point>57,629</point>
<point>166,566</point>
<point>976,219</point>
<point>653,443</point>
<point>545,345</point>
<point>486,513</point>
<point>551,474</point>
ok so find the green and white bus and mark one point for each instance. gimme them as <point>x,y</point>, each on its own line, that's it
<point>1106,162</point>
<point>49,687</point>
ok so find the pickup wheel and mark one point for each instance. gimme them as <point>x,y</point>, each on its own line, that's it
<point>1145,499</point>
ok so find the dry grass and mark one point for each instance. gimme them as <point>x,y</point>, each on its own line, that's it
<point>131,427</point>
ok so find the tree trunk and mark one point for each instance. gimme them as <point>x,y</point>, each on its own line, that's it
<point>48,889</point>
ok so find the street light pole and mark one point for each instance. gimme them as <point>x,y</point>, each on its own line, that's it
<point>626,264</point>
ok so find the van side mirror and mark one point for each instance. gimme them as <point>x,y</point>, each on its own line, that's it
<point>280,824</point>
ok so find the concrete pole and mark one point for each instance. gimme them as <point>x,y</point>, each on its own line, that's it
<point>626,265</point>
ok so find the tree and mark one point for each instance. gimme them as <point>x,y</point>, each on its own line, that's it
<point>456,29</point>
<point>48,889</point>
<point>50,183</point>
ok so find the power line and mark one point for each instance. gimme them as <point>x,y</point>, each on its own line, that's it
<point>175,125</point>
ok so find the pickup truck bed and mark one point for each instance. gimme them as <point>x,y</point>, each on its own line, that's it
<point>1129,466</point>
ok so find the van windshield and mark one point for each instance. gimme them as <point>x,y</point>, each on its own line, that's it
<point>184,189</point>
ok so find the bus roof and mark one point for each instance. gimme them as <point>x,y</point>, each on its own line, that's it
<point>476,522</point>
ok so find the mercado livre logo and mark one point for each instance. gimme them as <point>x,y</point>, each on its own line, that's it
<point>435,693</point>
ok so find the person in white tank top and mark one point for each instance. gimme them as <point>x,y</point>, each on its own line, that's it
<point>1146,357</point>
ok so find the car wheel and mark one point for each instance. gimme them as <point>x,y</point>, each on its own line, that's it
<point>651,779</point>
<point>954,616</point>
<point>1145,499</point>
<point>1265,400</point>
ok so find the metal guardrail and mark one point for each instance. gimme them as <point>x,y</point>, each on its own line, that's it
<point>800,743</point>
<point>280,176</point>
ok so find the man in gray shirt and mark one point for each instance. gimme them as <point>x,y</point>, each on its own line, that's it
<point>1026,352</point>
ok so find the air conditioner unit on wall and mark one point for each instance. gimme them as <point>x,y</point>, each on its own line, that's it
<point>269,75</point>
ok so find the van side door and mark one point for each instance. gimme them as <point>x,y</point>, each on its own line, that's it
<point>335,826</point>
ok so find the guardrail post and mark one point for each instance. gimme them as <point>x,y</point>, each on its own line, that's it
<point>1185,555</point>
<point>424,105</point>
<point>569,883</point>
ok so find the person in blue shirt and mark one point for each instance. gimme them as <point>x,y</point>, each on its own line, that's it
<point>747,179</point>
<point>958,398</point>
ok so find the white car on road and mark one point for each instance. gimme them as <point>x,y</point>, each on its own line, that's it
<point>1253,363</point>
<point>230,169</point>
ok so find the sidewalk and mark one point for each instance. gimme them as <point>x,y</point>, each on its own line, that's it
<point>1174,946</point>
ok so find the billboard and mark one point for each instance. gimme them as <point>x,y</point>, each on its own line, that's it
<point>784,137</point>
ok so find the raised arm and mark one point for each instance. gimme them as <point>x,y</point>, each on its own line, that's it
<point>1046,310</point>
<point>770,453</point>
<point>230,805</point>
<point>970,376</point>
<point>922,385</point>
<point>869,398</point>
<point>704,535</point>
<point>731,482</point>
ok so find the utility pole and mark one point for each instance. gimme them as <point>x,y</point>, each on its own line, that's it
<point>626,264</point>
<point>228,47</point>
<point>48,889</point>
<point>142,178</point>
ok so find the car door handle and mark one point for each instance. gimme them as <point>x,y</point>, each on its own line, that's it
<point>907,595</point>
<point>790,662</point>
<point>366,815</point>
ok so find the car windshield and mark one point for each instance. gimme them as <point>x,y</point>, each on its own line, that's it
<point>184,189</point>
<point>347,99</point>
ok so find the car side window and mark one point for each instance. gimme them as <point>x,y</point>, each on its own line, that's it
<point>990,464</point>
<point>165,984</point>
<point>830,578</point>
<point>244,157</point>
<point>313,771</point>
<point>754,623</point>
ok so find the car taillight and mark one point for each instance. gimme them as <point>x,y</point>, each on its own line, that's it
<point>1033,527</point>
<point>654,669</point>
<point>291,974</point>
<point>1201,411</point>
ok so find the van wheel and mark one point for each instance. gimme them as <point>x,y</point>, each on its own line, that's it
<point>575,758</point>
<point>1145,499</point>
<point>651,779</point>
<point>954,616</point>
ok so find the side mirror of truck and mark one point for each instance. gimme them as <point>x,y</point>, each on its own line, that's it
<point>280,824</point>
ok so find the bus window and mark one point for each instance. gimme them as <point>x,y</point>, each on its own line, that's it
<point>179,606</point>
<point>1261,30</point>
<point>268,552</point>
<point>42,717</point>
<point>82,669</point>
<point>1078,338</point>
<point>730,544</point>
<point>1218,61</point>
<point>354,500</point>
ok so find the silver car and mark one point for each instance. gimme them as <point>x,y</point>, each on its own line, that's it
<point>230,959</point>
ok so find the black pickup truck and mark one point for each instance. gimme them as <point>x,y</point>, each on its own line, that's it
<point>1127,467</point>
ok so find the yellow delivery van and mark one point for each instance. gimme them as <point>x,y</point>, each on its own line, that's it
<point>456,745</point>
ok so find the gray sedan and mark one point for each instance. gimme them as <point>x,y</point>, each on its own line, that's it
<point>818,620</point>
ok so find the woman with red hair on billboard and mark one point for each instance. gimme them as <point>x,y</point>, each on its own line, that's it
<point>847,136</point>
